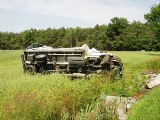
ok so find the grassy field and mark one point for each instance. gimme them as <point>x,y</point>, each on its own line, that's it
<point>55,97</point>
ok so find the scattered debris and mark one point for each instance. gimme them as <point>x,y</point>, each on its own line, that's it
<point>120,105</point>
<point>154,80</point>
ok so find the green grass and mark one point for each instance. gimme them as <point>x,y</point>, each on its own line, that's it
<point>147,108</point>
<point>55,96</point>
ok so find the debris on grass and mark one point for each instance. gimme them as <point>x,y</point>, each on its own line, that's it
<point>154,80</point>
<point>119,105</point>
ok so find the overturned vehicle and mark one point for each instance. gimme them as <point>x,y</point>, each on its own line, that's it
<point>76,61</point>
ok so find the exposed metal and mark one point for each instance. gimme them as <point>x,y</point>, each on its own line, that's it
<point>39,58</point>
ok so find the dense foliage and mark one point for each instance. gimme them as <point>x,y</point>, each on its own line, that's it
<point>119,34</point>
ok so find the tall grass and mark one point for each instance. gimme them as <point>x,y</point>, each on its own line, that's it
<point>56,97</point>
<point>154,65</point>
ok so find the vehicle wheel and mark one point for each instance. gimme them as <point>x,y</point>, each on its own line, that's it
<point>31,70</point>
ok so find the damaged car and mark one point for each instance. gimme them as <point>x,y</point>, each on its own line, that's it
<point>75,61</point>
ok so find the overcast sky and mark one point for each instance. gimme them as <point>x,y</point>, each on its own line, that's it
<point>19,15</point>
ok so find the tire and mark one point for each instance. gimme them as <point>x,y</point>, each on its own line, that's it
<point>31,70</point>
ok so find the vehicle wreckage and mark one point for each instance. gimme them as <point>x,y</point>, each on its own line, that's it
<point>76,61</point>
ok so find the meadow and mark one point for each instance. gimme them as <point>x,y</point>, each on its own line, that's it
<point>56,97</point>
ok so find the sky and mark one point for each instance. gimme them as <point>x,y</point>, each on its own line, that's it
<point>20,15</point>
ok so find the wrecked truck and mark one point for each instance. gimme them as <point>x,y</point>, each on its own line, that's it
<point>75,61</point>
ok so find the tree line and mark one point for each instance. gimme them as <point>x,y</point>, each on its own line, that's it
<point>119,34</point>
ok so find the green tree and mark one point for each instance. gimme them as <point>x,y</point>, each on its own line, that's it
<point>153,19</point>
<point>69,39</point>
<point>115,28</point>
<point>138,36</point>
